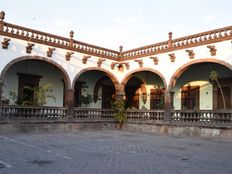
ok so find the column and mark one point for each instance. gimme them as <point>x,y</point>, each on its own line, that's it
<point>69,101</point>
<point>168,106</point>
<point>1,91</point>
<point>120,94</point>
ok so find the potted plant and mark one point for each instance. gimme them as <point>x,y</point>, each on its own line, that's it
<point>120,115</point>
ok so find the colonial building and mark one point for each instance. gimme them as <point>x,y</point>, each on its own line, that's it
<point>169,77</point>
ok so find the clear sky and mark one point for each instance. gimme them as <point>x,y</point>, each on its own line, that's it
<point>110,23</point>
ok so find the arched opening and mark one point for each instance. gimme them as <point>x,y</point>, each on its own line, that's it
<point>23,75</point>
<point>144,90</point>
<point>194,90</point>
<point>94,89</point>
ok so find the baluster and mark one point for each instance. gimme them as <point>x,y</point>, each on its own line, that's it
<point>27,33</point>
<point>191,40</point>
<point>194,40</point>
<point>209,36</point>
<point>17,31</point>
<point>12,30</point>
<point>225,33</point>
<point>37,36</point>
<point>7,29</point>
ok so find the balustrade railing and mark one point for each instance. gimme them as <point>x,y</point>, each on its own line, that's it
<point>145,115</point>
<point>93,114</point>
<point>28,112</point>
<point>192,117</point>
<point>36,36</point>
<point>207,37</point>
<point>203,116</point>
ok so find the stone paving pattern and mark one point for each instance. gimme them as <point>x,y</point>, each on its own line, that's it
<point>112,152</point>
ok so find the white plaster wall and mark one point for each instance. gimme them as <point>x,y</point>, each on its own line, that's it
<point>74,66</point>
<point>168,68</point>
<point>17,49</point>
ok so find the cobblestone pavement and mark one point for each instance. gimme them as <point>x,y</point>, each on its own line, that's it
<point>112,152</point>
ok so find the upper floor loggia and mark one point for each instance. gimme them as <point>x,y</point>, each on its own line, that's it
<point>177,68</point>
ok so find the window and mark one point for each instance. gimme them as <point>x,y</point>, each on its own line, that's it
<point>190,97</point>
<point>26,83</point>
<point>157,98</point>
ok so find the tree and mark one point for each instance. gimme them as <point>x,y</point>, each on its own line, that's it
<point>214,77</point>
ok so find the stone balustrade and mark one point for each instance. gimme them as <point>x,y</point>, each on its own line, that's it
<point>203,116</point>
<point>36,36</point>
<point>191,117</point>
<point>145,115</point>
<point>28,112</point>
<point>93,114</point>
<point>199,39</point>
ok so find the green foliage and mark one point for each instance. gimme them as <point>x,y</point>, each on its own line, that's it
<point>13,97</point>
<point>120,115</point>
<point>86,99</point>
<point>214,78</point>
<point>213,75</point>
<point>40,95</point>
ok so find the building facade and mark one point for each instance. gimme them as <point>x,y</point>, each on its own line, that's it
<point>170,75</point>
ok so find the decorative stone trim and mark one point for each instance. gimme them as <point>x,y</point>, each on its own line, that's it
<point>68,55</point>
<point>190,53</point>
<point>120,66</point>
<point>172,57</point>
<point>29,47</point>
<point>127,65</point>
<point>71,34</point>
<point>170,39</point>
<point>50,51</point>
<point>140,62</point>
<point>212,50</point>
<point>199,39</point>
<point>99,62</point>
<point>113,65</point>
<point>155,60</point>
<point>85,58</point>
<point>5,43</point>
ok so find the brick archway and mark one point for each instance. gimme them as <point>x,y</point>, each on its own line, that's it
<point>20,59</point>
<point>144,90</point>
<point>129,75</point>
<point>184,67</point>
<point>108,73</point>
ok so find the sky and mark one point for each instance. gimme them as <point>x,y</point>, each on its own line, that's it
<point>111,23</point>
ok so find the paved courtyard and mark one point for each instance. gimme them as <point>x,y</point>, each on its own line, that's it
<point>112,152</point>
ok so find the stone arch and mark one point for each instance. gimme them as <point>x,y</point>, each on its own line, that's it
<point>59,67</point>
<point>184,67</point>
<point>129,75</point>
<point>108,73</point>
<point>143,87</point>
